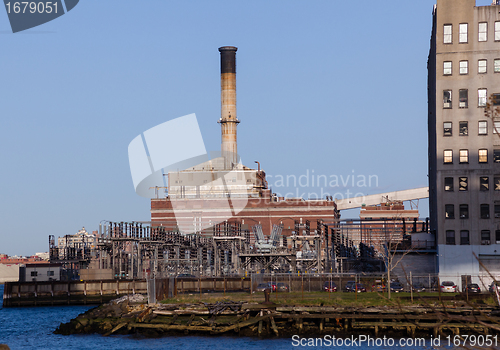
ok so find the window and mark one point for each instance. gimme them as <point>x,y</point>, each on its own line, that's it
<point>464,67</point>
<point>463,183</point>
<point>495,99</point>
<point>447,68</point>
<point>481,98</point>
<point>496,65</point>
<point>463,128</point>
<point>496,183</point>
<point>447,129</point>
<point>497,236</point>
<point>50,273</point>
<point>463,98</point>
<point>448,156</point>
<point>464,211</point>
<point>496,155</point>
<point>34,273</point>
<point>447,99</point>
<point>464,237</point>
<point>483,127</point>
<point>485,211</point>
<point>449,211</point>
<point>484,183</point>
<point>448,184</point>
<point>496,127</point>
<point>462,33</point>
<point>485,237</point>
<point>497,31</point>
<point>447,33</point>
<point>450,237</point>
<point>481,66</point>
<point>483,31</point>
<point>483,156</point>
<point>464,156</point>
<point>497,210</point>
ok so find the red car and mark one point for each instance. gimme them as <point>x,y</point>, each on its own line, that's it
<point>329,286</point>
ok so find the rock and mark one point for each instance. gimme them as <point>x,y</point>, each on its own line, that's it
<point>131,298</point>
<point>106,326</point>
<point>83,321</point>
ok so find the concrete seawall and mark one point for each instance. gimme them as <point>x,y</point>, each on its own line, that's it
<point>101,291</point>
<point>68,293</point>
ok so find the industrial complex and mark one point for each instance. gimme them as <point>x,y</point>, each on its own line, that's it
<point>220,217</point>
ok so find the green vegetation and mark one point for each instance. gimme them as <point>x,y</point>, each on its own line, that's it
<point>338,299</point>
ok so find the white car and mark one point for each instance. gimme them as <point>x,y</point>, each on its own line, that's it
<point>448,287</point>
<point>492,286</point>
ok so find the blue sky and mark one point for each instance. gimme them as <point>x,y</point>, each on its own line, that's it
<point>334,87</point>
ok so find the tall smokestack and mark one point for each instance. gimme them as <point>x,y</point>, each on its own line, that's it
<point>228,120</point>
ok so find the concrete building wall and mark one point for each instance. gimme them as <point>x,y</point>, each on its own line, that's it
<point>418,264</point>
<point>9,273</point>
<point>42,272</point>
<point>457,256</point>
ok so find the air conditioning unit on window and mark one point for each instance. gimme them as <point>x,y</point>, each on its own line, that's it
<point>497,215</point>
<point>485,242</point>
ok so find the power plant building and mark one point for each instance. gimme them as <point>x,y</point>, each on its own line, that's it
<point>223,189</point>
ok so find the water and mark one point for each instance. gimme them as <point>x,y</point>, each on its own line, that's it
<point>32,327</point>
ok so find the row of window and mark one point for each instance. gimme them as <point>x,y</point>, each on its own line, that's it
<point>463,183</point>
<point>463,32</point>
<point>463,128</point>
<point>484,209</point>
<point>463,68</point>
<point>463,98</point>
<point>465,239</point>
<point>35,273</point>
<point>464,156</point>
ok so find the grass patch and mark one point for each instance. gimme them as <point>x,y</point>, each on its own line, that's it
<point>340,299</point>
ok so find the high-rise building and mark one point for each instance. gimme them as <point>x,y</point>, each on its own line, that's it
<point>464,143</point>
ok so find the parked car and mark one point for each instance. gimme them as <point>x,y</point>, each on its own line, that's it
<point>350,286</point>
<point>472,288</point>
<point>359,287</point>
<point>355,287</point>
<point>185,275</point>
<point>267,285</point>
<point>448,287</point>
<point>396,287</point>
<point>283,287</point>
<point>329,286</point>
<point>261,287</point>
<point>492,286</point>
<point>379,286</point>
<point>418,287</point>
